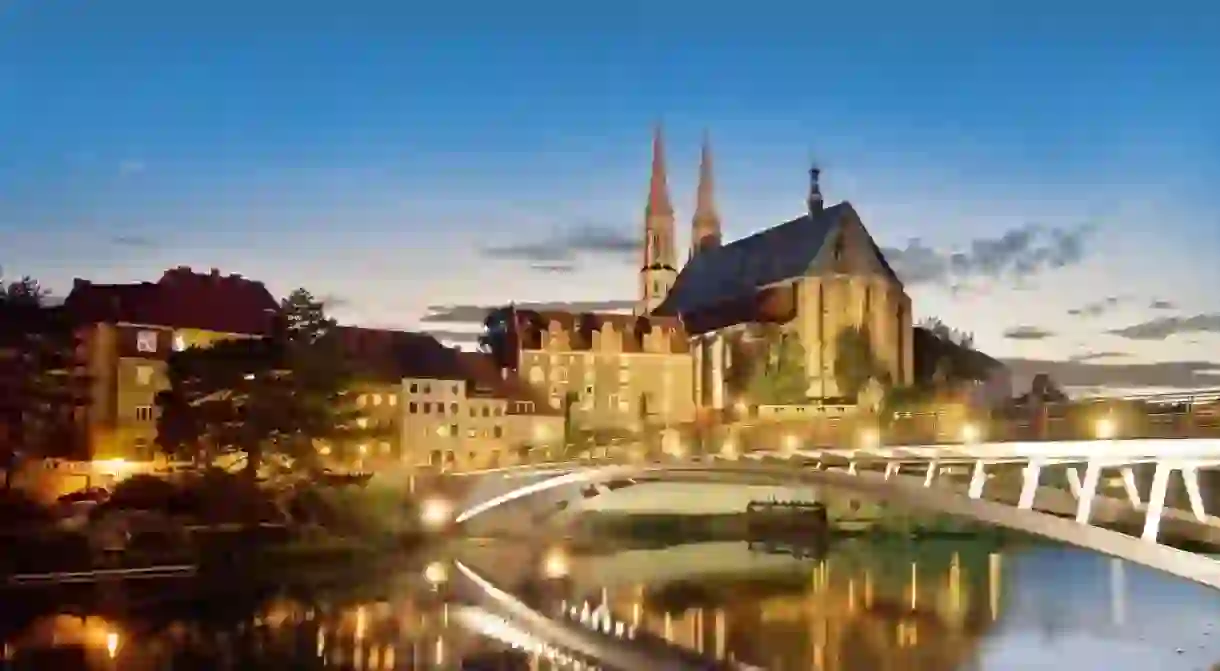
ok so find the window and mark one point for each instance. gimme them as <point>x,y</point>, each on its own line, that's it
<point>486,411</point>
<point>427,389</point>
<point>362,422</point>
<point>179,342</point>
<point>144,375</point>
<point>146,341</point>
<point>361,400</point>
<point>392,400</point>
<point>414,388</point>
<point>453,430</point>
<point>144,413</point>
<point>453,408</point>
<point>498,431</point>
<point>427,408</point>
<point>412,408</point>
<point>376,399</point>
<point>456,390</point>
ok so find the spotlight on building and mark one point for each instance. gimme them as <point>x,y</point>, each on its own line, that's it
<point>436,574</point>
<point>870,439</point>
<point>728,449</point>
<point>971,433</point>
<point>791,443</point>
<point>435,513</point>
<point>1106,428</point>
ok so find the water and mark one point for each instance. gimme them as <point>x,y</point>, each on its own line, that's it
<point>960,604</point>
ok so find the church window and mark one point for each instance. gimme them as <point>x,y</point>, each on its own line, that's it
<point>840,247</point>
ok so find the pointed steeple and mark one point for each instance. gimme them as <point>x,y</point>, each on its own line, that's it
<point>658,187</point>
<point>705,225</point>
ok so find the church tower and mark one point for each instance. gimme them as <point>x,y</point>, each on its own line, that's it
<point>659,270</point>
<point>705,226</point>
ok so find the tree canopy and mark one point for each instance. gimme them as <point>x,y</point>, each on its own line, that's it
<point>23,291</point>
<point>778,374</point>
<point>282,395</point>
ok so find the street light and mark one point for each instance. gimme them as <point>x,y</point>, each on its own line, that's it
<point>970,433</point>
<point>791,442</point>
<point>435,513</point>
<point>870,439</point>
<point>1106,428</point>
<point>436,574</point>
<point>555,564</point>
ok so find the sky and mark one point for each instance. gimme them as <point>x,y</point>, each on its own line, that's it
<point>1040,173</point>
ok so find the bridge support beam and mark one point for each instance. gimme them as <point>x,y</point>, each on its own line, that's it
<point>1156,502</point>
<point>1190,477</point>
<point>1073,478</point>
<point>1029,485</point>
<point>1133,491</point>
<point>1088,490</point>
<point>930,475</point>
<point>851,467</point>
<point>978,478</point>
<point>891,469</point>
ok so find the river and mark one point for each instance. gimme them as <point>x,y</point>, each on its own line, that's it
<point>867,605</point>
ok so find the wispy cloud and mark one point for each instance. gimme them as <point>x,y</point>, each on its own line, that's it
<point>456,337</point>
<point>1162,305</point>
<point>1171,374</point>
<point>1096,356</point>
<point>1015,256</point>
<point>132,166</point>
<point>1028,333</point>
<point>1097,308</point>
<point>133,241</point>
<point>475,314</point>
<point>1164,327</point>
<point>563,251</point>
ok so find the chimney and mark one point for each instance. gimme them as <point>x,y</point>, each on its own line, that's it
<point>216,272</point>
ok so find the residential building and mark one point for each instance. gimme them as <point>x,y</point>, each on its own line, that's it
<point>126,333</point>
<point>444,408</point>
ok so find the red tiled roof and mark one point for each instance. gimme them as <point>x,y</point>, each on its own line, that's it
<point>180,299</point>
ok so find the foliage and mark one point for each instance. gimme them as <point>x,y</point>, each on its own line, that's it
<point>856,363</point>
<point>778,375</point>
<point>944,332</point>
<point>281,395</point>
<point>24,291</point>
<point>17,509</point>
<point>212,496</point>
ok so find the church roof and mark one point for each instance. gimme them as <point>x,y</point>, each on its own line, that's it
<point>744,266</point>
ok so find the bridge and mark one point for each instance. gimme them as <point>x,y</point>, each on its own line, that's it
<point>925,477</point>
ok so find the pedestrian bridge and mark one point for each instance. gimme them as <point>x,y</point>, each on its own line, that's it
<point>917,476</point>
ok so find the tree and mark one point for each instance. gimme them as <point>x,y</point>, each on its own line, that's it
<point>283,394</point>
<point>778,375</point>
<point>855,361</point>
<point>25,291</point>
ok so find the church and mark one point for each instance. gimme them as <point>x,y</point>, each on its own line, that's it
<point>819,278</point>
<point>813,281</point>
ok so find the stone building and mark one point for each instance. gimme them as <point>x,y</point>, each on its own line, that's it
<point>819,277</point>
<point>610,371</point>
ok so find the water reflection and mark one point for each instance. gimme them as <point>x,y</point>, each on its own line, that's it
<point>865,605</point>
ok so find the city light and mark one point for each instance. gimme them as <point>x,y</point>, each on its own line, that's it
<point>117,466</point>
<point>870,439</point>
<point>112,644</point>
<point>1105,428</point>
<point>970,433</point>
<point>435,513</point>
<point>436,574</point>
<point>791,442</point>
<point>555,564</point>
<point>728,449</point>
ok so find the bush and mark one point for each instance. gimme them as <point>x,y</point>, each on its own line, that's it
<point>370,511</point>
<point>211,497</point>
<point>18,510</point>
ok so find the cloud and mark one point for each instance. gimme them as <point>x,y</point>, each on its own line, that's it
<point>1097,308</point>
<point>1171,374</point>
<point>1163,327</point>
<point>1096,356</point>
<point>1162,305</point>
<point>1027,333</point>
<point>133,241</point>
<point>1015,256</point>
<point>475,314</point>
<point>132,166</point>
<point>462,337</point>
<point>563,251</point>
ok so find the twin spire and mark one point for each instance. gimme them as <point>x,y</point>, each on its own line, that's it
<point>705,224</point>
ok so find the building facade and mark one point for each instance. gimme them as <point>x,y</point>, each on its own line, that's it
<point>126,333</point>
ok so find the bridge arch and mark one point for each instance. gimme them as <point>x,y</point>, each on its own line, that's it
<point>1199,568</point>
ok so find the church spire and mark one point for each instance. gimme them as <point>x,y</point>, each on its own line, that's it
<point>658,187</point>
<point>815,190</point>
<point>705,226</point>
<point>659,268</point>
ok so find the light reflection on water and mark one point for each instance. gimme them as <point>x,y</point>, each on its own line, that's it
<point>866,606</point>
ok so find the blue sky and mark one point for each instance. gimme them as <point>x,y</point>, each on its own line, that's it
<point>376,151</point>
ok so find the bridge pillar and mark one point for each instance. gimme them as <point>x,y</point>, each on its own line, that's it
<point>851,467</point>
<point>891,469</point>
<point>1156,502</point>
<point>1029,485</point>
<point>1074,483</point>
<point>1118,592</point>
<point>1088,490</point>
<point>930,475</point>
<point>978,478</point>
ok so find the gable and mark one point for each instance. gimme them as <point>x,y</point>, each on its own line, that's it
<point>850,250</point>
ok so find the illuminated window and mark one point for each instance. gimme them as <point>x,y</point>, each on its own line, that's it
<point>144,413</point>
<point>146,341</point>
<point>144,375</point>
<point>376,399</point>
<point>361,400</point>
<point>179,342</point>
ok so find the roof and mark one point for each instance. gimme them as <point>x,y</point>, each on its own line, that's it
<point>743,267</point>
<point>389,356</point>
<point>180,299</point>
<point>580,326</point>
